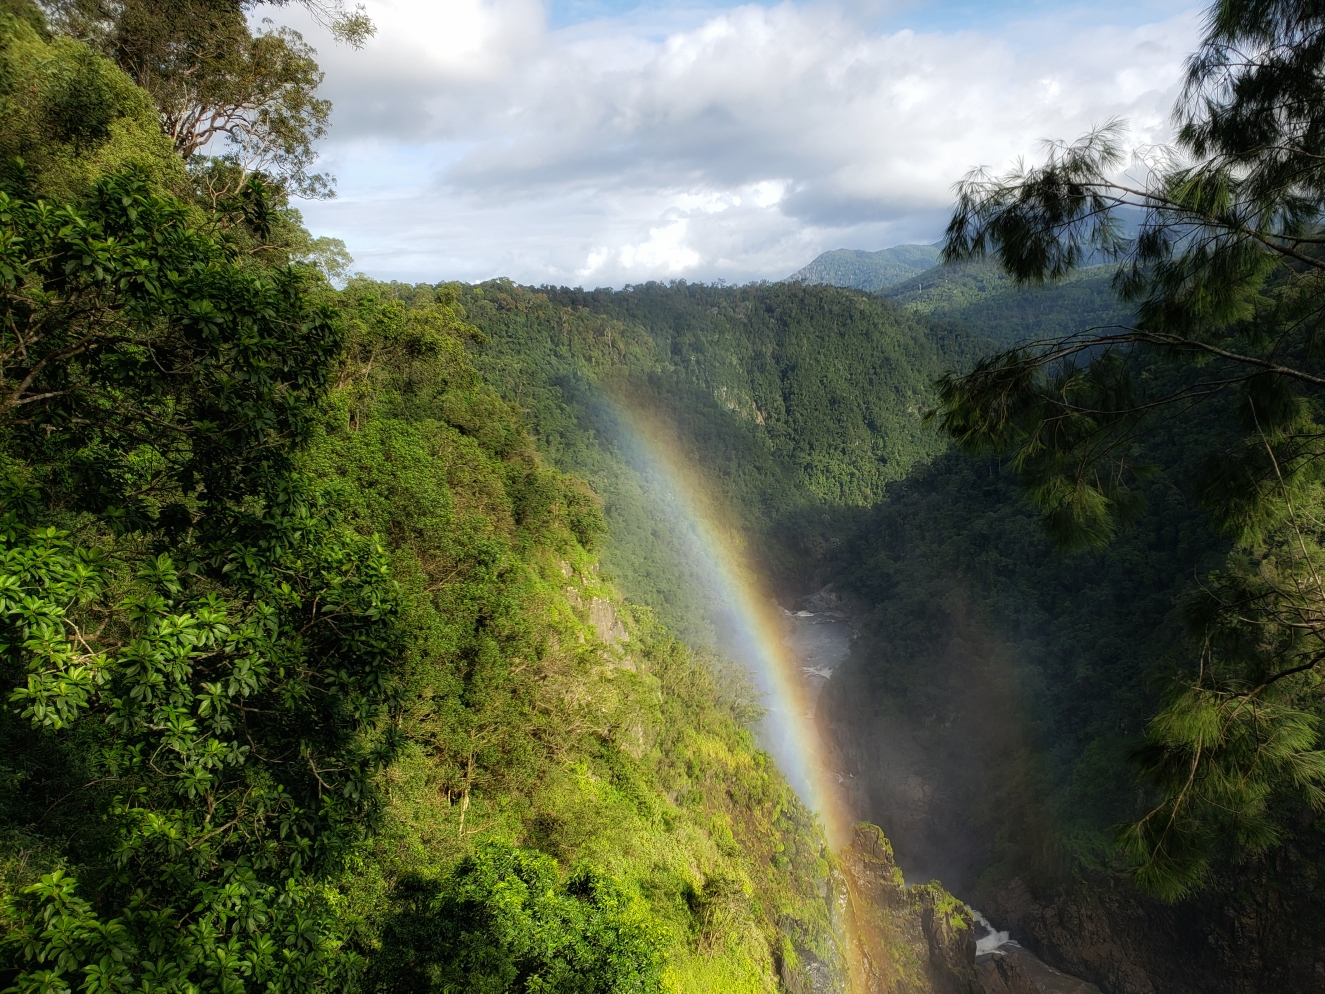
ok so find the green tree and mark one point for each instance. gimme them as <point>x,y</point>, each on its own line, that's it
<point>506,920</point>
<point>70,115</point>
<point>233,102</point>
<point>124,326</point>
<point>1226,274</point>
<point>199,655</point>
<point>248,100</point>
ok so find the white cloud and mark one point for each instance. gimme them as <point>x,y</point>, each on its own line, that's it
<point>472,141</point>
<point>665,250</point>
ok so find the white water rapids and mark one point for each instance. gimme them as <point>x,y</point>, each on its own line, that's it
<point>1047,980</point>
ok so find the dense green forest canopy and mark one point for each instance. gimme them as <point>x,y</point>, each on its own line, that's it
<point>1082,681</point>
<point>313,678</point>
<point>953,530</point>
<point>789,399</point>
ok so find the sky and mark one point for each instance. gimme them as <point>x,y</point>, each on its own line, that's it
<point>604,142</point>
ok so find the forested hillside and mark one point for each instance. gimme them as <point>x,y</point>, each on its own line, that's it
<point>976,294</point>
<point>542,710</point>
<point>311,679</point>
<point>352,639</point>
<point>961,592</point>
<point>989,707</point>
<point>980,296</point>
<point>1002,687</point>
<point>791,399</point>
<point>1011,678</point>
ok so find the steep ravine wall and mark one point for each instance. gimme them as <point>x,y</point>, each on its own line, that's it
<point>1262,929</point>
<point>904,939</point>
<point>1260,932</point>
<point>894,938</point>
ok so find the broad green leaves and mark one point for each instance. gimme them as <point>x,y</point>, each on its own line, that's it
<point>41,580</point>
<point>214,645</point>
<point>507,920</point>
<point>241,753</point>
<point>147,365</point>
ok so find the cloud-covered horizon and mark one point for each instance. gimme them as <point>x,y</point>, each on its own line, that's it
<point>472,140</point>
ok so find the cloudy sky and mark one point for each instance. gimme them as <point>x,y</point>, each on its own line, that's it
<point>599,142</point>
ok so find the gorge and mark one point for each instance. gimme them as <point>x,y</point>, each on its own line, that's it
<point>383,637</point>
<point>978,717</point>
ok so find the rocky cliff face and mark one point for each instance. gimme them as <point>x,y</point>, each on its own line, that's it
<point>1263,931</point>
<point>900,939</point>
<point>1004,973</point>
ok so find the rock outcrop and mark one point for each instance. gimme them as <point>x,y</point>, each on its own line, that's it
<point>900,939</point>
<point>1259,932</point>
<point>1003,973</point>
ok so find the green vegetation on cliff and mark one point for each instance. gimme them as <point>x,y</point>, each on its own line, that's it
<point>790,399</point>
<point>540,708</point>
<point>199,655</point>
<point>311,681</point>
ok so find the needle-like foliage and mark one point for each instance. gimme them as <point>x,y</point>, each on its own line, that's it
<point>1218,244</point>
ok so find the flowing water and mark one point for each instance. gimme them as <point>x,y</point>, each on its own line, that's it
<point>819,637</point>
<point>819,641</point>
<point>991,942</point>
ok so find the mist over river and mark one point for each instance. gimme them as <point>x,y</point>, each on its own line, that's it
<point>818,633</point>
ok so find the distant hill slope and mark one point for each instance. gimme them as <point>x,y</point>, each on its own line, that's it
<point>790,397</point>
<point>872,271</point>
<point>979,296</point>
<point>976,295</point>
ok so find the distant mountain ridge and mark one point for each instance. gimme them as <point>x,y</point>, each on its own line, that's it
<point>977,295</point>
<point>872,271</point>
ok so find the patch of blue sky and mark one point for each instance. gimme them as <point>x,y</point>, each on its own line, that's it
<point>650,20</point>
<point>386,170</point>
<point>994,17</point>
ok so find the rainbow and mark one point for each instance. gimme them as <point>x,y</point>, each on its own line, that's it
<point>788,731</point>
